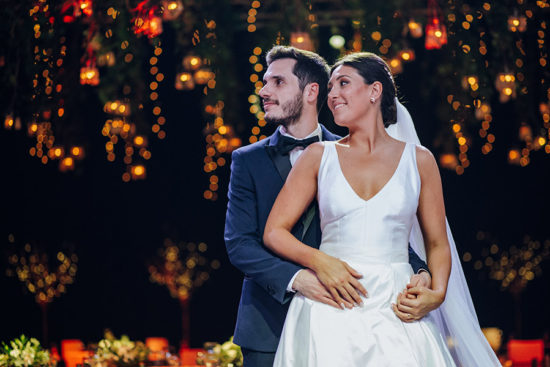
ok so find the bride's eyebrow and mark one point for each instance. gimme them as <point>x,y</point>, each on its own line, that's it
<point>338,78</point>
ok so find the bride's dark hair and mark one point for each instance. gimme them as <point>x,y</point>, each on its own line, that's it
<point>373,69</point>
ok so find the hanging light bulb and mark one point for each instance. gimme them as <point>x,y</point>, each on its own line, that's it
<point>436,32</point>
<point>337,41</point>
<point>171,9</point>
<point>517,24</point>
<point>89,74</point>
<point>301,40</point>
<point>184,81</point>
<point>415,29</point>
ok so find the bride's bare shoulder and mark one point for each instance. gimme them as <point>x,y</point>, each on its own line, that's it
<point>315,150</point>
<point>425,161</point>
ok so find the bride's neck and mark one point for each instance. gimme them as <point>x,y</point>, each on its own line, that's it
<point>367,135</point>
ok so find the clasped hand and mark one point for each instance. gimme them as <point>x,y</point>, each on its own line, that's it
<point>417,300</point>
<point>341,280</point>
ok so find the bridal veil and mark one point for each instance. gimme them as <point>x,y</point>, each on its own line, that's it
<point>456,318</point>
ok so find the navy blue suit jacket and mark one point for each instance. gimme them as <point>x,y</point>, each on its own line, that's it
<point>258,173</point>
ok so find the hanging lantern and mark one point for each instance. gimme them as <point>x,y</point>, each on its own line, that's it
<point>436,32</point>
<point>85,6</point>
<point>146,21</point>
<point>301,40</point>
<point>171,9</point>
<point>184,81</point>
<point>396,65</point>
<point>505,84</point>
<point>448,161</point>
<point>436,35</point>
<point>192,62</point>
<point>89,74</point>
<point>202,76</point>
<point>407,55</point>
<point>517,24</point>
<point>415,29</point>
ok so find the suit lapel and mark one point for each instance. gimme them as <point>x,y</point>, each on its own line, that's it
<point>281,162</point>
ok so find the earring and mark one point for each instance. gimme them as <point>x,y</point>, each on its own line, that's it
<point>372,99</point>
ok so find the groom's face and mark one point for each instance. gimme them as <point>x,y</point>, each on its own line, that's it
<point>281,94</point>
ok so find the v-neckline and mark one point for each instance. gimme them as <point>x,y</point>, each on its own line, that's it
<point>382,188</point>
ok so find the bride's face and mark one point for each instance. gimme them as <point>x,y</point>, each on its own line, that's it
<point>348,97</point>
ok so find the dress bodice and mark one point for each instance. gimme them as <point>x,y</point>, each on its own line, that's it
<point>376,229</point>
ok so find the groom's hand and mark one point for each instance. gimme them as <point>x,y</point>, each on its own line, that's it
<point>307,283</point>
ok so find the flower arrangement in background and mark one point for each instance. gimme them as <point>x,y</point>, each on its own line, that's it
<point>119,352</point>
<point>23,352</point>
<point>227,354</point>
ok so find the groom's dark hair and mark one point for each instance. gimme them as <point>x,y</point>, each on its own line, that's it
<point>309,68</point>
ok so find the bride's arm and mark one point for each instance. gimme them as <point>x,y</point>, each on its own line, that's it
<point>431,216</point>
<point>297,193</point>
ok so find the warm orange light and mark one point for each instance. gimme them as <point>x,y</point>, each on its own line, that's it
<point>415,29</point>
<point>507,91</point>
<point>138,171</point>
<point>448,160</point>
<point>139,140</point>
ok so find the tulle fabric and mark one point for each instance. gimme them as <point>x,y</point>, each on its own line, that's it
<point>456,318</point>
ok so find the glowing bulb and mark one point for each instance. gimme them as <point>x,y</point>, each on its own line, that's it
<point>337,41</point>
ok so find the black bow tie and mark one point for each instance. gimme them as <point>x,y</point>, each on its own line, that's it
<point>286,144</point>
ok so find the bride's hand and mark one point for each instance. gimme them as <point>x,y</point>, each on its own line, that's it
<point>415,303</point>
<point>340,279</point>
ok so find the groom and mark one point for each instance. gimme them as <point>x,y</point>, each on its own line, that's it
<point>295,89</point>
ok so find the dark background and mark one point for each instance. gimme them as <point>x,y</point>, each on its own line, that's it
<point>115,228</point>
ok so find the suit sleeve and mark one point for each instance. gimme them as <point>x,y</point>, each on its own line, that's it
<point>243,236</point>
<point>416,262</point>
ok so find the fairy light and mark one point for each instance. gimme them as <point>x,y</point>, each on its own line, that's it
<point>254,99</point>
<point>512,267</point>
<point>39,277</point>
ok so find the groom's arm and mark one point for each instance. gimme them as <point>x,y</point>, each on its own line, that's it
<point>243,236</point>
<point>416,262</point>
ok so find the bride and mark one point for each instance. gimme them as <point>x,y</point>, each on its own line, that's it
<point>376,194</point>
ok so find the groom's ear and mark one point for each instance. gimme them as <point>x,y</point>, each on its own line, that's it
<point>311,92</point>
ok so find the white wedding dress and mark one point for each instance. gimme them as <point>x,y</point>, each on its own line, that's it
<point>372,236</point>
